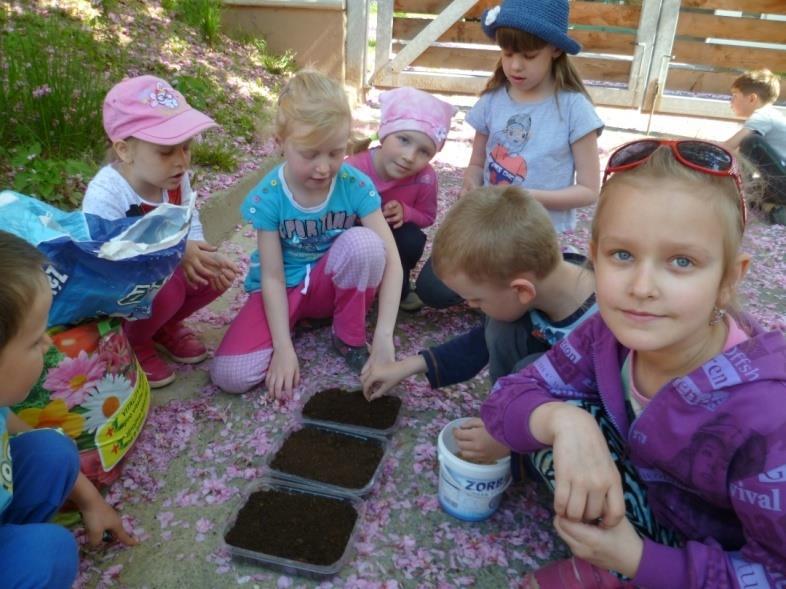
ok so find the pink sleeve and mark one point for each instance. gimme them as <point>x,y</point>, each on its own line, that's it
<point>423,209</point>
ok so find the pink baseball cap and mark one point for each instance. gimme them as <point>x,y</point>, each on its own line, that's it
<point>410,109</point>
<point>148,108</point>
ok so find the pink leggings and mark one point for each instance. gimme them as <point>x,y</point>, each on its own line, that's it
<point>342,285</point>
<point>174,302</point>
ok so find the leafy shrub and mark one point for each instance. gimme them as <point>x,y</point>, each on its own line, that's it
<point>217,154</point>
<point>204,15</point>
<point>53,78</point>
<point>59,182</point>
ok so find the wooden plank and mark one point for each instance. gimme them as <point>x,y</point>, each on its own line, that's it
<point>604,15</point>
<point>760,6</point>
<point>600,14</point>
<point>437,6</point>
<point>405,29</point>
<point>743,58</point>
<point>696,24</point>
<point>684,80</point>
<point>355,43</point>
<point>473,85</point>
<point>429,34</point>
<point>700,107</point>
<point>384,39</point>
<point>449,58</point>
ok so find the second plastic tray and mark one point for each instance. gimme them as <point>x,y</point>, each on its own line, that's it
<point>327,486</point>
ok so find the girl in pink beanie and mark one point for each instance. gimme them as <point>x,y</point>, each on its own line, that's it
<point>413,128</point>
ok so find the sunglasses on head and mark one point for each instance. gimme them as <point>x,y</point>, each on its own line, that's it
<point>701,156</point>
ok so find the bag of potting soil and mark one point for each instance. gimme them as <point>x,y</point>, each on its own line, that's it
<point>93,389</point>
<point>99,267</point>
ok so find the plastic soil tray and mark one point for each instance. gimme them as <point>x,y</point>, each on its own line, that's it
<point>330,460</point>
<point>350,411</point>
<point>294,529</point>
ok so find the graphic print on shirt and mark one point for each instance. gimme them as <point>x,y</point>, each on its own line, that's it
<point>506,164</point>
<point>315,235</point>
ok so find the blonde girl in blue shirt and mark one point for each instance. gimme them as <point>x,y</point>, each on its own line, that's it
<point>312,260</point>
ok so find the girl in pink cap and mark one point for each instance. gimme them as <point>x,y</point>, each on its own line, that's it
<point>151,127</point>
<point>413,128</point>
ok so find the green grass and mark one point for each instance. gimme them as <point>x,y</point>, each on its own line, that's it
<point>216,154</point>
<point>56,68</point>
<point>53,78</point>
<point>203,15</point>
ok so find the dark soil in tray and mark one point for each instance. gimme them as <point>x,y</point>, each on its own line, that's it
<point>329,457</point>
<point>352,408</point>
<point>298,526</point>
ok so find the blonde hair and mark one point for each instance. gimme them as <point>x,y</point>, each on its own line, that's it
<point>314,100</point>
<point>494,234</point>
<point>763,83</point>
<point>566,77</point>
<point>719,192</point>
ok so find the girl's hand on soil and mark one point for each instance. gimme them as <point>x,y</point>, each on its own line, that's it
<point>197,262</point>
<point>587,482</point>
<point>393,213</point>
<point>283,374</point>
<point>617,548</point>
<point>476,444</point>
<point>378,379</point>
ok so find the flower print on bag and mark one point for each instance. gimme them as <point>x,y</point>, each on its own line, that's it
<point>54,415</point>
<point>74,378</point>
<point>110,394</point>
<point>115,352</point>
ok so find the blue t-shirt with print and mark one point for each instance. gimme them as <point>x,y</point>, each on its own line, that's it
<point>6,480</point>
<point>306,233</point>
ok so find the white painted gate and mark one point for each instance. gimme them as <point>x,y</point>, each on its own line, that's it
<point>629,57</point>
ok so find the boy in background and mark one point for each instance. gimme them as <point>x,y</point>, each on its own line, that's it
<point>762,138</point>
<point>497,249</point>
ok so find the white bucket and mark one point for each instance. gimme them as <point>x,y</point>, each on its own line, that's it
<point>468,491</point>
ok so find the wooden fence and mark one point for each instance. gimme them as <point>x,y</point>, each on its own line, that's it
<point>663,55</point>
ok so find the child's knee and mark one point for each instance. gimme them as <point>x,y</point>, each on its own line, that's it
<point>238,374</point>
<point>357,259</point>
<point>53,453</point>
<point>40,555</point>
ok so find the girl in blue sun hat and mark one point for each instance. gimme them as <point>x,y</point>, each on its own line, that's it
<point>555,155</point>
<point>534,123</point>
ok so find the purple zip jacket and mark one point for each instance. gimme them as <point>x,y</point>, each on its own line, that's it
<point>710,447</point>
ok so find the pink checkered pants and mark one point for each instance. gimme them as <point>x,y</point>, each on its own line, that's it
<point>342,285</point>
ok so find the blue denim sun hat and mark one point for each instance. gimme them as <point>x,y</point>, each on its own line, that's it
<point>547,19</point>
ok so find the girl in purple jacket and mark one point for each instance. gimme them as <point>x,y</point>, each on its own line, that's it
<point>660,423</point>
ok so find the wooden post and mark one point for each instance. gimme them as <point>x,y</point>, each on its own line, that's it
<point>355,43</point>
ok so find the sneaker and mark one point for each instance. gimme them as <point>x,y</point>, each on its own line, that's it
<point>159,374</point>
<point>355,356</point>
<point>411,302</point>
<point>180,343</point>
